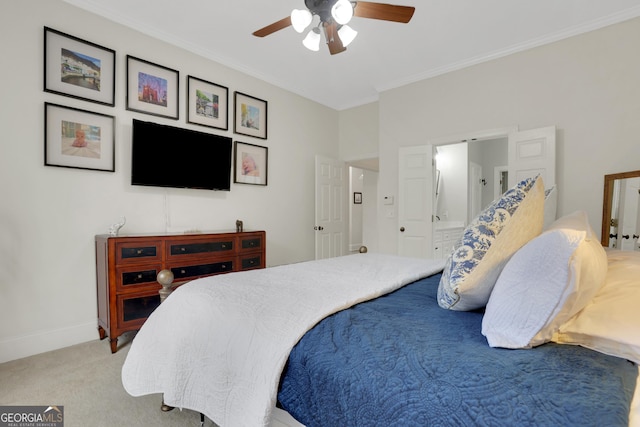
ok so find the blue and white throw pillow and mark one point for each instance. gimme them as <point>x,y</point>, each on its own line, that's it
<point>488,242</point>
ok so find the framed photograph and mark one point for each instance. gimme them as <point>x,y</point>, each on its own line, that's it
<point>207,103</point>
<point>357,198</point>
<point>78,68</point>
<point>250,164</point>
<point>152,88</point>
<point>251,116</point>
<point>80,139</point>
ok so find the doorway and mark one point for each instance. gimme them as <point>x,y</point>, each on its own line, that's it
<point>363,213</point>
<point>466,168</point>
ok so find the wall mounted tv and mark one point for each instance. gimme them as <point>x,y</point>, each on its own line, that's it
<point>167,156</point>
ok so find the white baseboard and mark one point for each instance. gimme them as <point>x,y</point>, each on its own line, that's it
<point>28,345</point>
<point>354,247</point>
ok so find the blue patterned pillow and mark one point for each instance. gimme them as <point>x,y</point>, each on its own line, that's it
<point>488,242</point>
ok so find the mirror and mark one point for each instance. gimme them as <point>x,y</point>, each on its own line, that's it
<point>621,211</point>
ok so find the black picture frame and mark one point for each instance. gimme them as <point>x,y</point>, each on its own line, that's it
<point>78,68</point>
<point>207,103</point>
<point>250,115</point>
<point>78,139</point>
<point>251,164</point>
<point>152,88</point>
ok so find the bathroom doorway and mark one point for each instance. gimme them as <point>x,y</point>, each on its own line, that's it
<point>363,212</point>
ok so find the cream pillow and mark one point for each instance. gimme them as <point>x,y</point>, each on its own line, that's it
<point>610,323</point>
<point>487,244</point>
<point>545,283</point>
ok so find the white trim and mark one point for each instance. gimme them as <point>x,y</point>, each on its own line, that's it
<point>29,345</point>
<point>497,174</point>
<point>473,136</point>
<point>362,157</point>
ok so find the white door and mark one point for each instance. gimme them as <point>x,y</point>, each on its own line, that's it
<point>533,152</point>
<point>500,181</point>
<point>415,201</point>
<point>475,190</point>
<point>628,215</point>
<point>331,209</point>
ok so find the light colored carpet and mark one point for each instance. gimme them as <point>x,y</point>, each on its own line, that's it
<point>85,379</point>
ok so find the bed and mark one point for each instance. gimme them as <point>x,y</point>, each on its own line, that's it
<point>373,339</point>
<point>412,373</point>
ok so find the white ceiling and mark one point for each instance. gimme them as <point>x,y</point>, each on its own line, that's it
<point>444,35</point>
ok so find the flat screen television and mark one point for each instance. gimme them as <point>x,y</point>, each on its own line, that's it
<point>167,156</point>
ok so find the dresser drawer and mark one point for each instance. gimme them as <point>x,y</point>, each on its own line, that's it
<point>249,262</point>
<point>135,277</point>
<point>190,272</point>
<point>251,243</point>
<point>190,248</point>
<point>134,252</point>
<point>134,310</point>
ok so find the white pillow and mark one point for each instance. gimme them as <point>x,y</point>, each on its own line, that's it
<point>487,244</point>
<point>544,284</point>
<point>550,206</point>
<point>610,323</point>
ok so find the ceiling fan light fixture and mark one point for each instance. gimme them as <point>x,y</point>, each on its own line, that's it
<point>347,34</point>
<point>312,41</point>
<point>342,12</point>
<point>300,19</point>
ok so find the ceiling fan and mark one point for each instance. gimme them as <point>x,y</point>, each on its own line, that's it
<point>333,18</point>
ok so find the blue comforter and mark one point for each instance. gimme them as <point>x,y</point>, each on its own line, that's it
<point>400,360</point>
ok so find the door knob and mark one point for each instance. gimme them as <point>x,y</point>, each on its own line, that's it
<point>402,229</point>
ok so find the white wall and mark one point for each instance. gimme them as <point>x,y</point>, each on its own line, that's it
<point>49,215</point>
<point>586,85</point>
<point>370,210</point>
<point>358,129</point>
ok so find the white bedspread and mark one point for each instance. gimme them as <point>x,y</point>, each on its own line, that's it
<point>218,345</point>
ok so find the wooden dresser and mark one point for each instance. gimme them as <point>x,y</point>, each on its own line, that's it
<point>127,267</point>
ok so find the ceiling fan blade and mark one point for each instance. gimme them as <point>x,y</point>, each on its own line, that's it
<point>272,28</point>
<point>383,11</point>
<point>333,39</point>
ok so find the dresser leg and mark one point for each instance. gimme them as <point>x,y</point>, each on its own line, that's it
<point>102,333</point>
<point>114,344</point>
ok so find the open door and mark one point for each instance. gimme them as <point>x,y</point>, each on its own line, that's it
<point>415,201</point>
<point>533,152</point>
<point>331,209</point>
